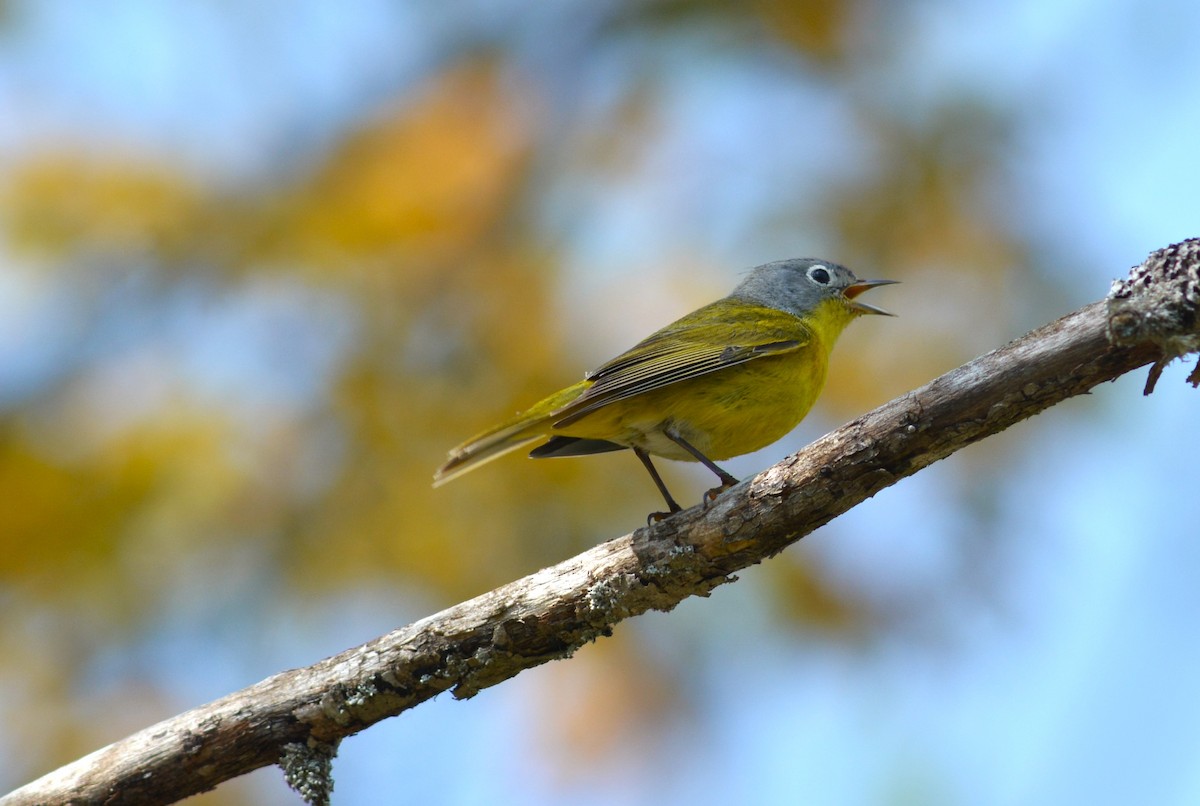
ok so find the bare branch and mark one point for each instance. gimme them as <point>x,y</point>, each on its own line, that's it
<point>297,718</point>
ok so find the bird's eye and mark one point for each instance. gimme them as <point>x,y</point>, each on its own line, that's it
<point>819,275</point>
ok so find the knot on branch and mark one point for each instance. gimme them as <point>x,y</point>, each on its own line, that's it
<point>1159,302</point>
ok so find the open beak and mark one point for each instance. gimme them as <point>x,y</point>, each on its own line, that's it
<point>855,289</point>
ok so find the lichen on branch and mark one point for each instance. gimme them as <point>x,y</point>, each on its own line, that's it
<point>1159,303</point>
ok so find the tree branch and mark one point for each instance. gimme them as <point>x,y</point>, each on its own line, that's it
<point>296,718</point>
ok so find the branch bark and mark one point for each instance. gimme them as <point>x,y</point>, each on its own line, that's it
<point>296,718</point>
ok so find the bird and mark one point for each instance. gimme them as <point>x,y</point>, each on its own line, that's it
<point>727,379</point>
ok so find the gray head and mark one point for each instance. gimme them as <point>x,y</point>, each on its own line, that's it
<point>799,285</point>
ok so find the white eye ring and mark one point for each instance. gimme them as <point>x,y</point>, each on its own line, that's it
<point>819,274</point>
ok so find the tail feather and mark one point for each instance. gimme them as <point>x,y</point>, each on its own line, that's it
<point>483,449</point>
<point>526,427</point>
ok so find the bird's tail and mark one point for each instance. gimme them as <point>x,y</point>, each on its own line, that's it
<point>531,424</point>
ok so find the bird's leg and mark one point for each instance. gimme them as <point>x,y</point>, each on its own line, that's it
<point>727,480</point>
<point>662,488</point>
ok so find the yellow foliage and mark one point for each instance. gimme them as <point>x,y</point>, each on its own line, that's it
<point>61,203</point>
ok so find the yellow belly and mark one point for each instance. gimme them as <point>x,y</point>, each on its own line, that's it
<point>723,414</point>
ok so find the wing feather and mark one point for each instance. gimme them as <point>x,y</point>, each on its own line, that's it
<point>716,337</point>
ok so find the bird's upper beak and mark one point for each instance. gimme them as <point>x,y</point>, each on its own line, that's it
<point>857,288</point>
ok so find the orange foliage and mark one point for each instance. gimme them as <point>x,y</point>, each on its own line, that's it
<point>426,180</point>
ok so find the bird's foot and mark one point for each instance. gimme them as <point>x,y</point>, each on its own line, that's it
<point>712,494</point>
<point>655,517</point>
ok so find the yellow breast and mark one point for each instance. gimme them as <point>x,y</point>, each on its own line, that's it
<point>731,411</point>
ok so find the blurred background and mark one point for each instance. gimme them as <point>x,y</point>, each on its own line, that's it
<point>263,263</point>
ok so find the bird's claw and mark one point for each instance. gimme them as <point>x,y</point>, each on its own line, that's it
<point>711,495</point>
<point>655,517</point>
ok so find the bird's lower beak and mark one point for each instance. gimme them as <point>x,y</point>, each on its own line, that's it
<point>855,289</point>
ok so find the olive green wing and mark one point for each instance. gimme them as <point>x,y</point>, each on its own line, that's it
<point>718,336</point>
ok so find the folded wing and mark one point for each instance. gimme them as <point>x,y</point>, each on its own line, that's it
<point>714,338</point>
